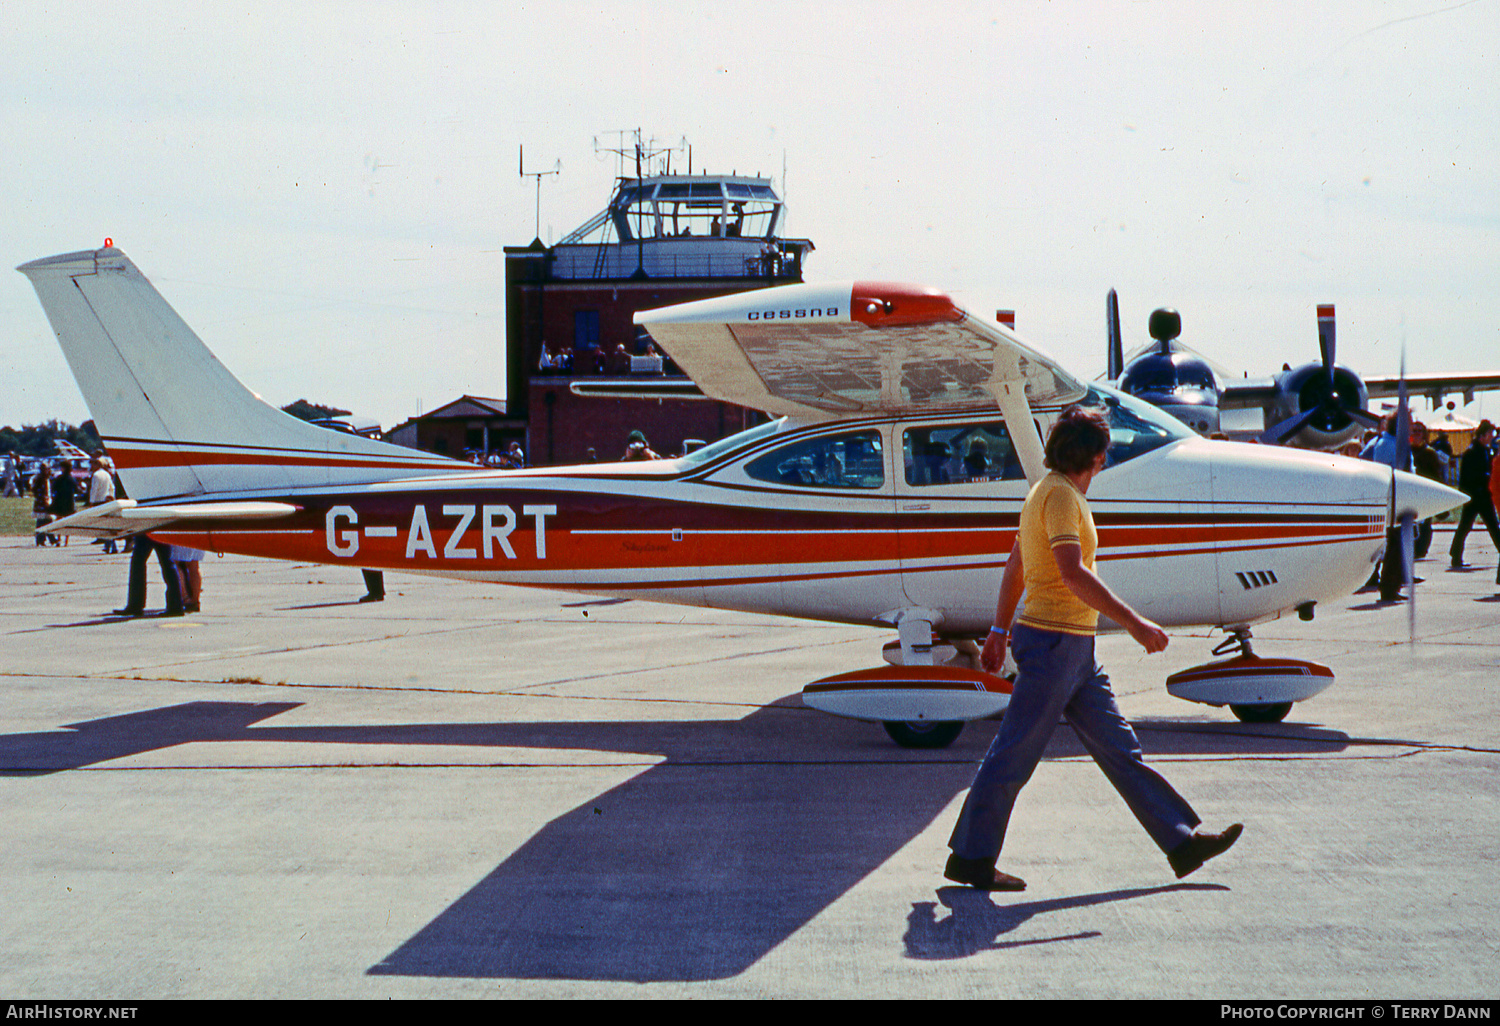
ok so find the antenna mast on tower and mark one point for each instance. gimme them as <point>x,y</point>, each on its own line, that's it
<point>538,175</point>
<point>642,152</point>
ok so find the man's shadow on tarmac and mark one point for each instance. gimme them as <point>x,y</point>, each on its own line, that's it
<point>735,835</point>
<point>977,923</point>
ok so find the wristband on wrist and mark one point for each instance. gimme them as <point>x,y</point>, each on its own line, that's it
<point>999,630</point>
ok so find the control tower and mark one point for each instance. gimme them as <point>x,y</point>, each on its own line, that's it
<point>662,239</point>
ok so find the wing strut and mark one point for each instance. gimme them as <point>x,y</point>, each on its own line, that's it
<point>1011,397</point>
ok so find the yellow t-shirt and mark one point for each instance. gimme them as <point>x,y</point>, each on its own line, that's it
<point>1056,513</point>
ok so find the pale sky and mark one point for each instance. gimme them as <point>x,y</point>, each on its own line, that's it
<point>323,190</point>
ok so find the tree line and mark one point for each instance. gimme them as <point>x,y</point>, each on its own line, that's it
<point>36,439</point>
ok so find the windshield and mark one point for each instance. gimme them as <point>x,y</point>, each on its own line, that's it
<point>1159,373</point>
<point>1135,427</point>
<point>729,444</point>
<point>1196,375</point>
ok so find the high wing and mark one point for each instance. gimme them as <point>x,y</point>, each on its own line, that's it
<point>1434,386</point>
<point>823,352</point>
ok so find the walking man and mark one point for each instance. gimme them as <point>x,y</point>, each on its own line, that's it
<point>1426,462</point>
<point>1474,481</point>
<point>1053,644</point>
<point>1386,448</point>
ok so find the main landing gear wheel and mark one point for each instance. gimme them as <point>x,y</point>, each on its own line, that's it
<point>1272,713</point>
<point>923,734</point>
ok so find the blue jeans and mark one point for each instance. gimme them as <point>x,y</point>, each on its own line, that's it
<point>135,599</point>
<point>1058,677</point>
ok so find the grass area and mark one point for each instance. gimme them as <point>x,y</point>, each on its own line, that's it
<point>15,517</point>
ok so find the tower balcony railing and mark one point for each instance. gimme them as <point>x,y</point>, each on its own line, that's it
<point>680,258</point>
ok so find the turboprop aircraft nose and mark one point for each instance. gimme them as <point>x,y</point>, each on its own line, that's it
<point>1423,498</point>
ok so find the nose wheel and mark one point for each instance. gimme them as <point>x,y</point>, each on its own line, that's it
<point>1273,712</point>
<point>916,734</point>
<point>1238,644</point>
<point>1256,689</point>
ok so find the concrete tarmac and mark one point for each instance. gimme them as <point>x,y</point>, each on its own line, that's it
<point>474,791</point>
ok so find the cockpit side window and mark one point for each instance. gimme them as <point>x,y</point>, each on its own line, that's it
<point>960,454</point>
<point>1135,427</point>
<point>854,460</point>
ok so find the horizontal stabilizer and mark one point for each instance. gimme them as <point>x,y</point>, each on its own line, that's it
<point>121,518</point>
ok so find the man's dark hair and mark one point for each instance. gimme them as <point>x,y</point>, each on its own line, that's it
<point>1077,439</point>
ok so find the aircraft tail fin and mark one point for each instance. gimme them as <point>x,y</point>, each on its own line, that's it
<point>175,420</point>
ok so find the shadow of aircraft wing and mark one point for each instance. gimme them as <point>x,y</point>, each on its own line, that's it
<point>115,737</point>
<point>693,869</point>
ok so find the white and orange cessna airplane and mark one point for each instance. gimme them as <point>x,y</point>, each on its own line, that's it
<point>887,492</point>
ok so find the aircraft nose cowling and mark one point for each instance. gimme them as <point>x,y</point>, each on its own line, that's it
<point>1423,498</point>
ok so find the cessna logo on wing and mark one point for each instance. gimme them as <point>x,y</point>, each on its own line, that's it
<point>476,528</point>
<point>771,315</point>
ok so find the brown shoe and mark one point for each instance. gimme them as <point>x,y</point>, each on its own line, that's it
<point>1199,848</point>
<point>981,874</point>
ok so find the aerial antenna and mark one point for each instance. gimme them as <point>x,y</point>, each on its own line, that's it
<point>783,194</point>
<point>618,150</point>
<point>538,175</point>
<point>642,151</point>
